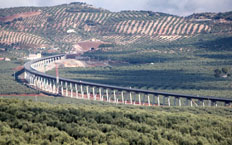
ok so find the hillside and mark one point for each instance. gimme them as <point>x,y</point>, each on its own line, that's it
<point>37,27</point>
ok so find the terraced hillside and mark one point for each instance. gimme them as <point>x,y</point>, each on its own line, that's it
<point>35,26</point>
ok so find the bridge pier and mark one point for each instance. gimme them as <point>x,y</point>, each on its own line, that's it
<point>87,92</point>
<point>148,100</point>
<point>115,97</point>
<point>164,101</point>
<point>82,93</point>
<point>122,97</point>
<point>158,100</point>
<point>169,102</point>
<point>76,90</point>
<point>62,88</point>
<point>131,98</point>
<point>71,90</point>
<point>179,101</point>
<point>107,95</point>
<point>191,102</point>
<point>186,102</point>
<point>174,101</point>
<point>94,96</point>
<point>66,89</point>
<point>100,94</point>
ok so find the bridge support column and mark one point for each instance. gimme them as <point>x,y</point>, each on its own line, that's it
<point>143,101</point>
<point>158,100</point>
<point>214,103</point>
<point>107,95</point>
<point>76,90</point>
<point>50,86</point>
<point>47,85</point>
<point>169,102</point>
<point>174,101</point>
<point>131,98</point>
<point>44,84</point>
<point>179,101</point>
<point>53,87</point>
<point>94,96</point>
<point>139,99</point>
<point>62,88</point>
<point>100,94</point>
<point>66,87</point>
<point>71,90</point>
<point>153,100</point>
<point>209,103</point>
<point>87,91</point>
<point>203,103</point>
<point>82,93</point>
<point>186,102</point>
<point>163,100</point>
<point>148,100</point>
<point>122,98</point>
<point>115,101</point>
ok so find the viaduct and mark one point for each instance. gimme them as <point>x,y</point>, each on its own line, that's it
<point>109,93</point>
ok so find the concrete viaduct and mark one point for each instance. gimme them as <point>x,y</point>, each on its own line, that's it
<point>101,92</point>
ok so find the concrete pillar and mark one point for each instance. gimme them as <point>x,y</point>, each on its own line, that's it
<point>122,97</point>
<point>42,83</point>
<point>169,102</point>
<point>115,97</point>
<point>25,75</point>
<point>214,103</point>
<point>174,101</point>
<point>139,99</point>
<point>158,100</point>
<point>82,93</point>
<point>107,95</point>
<point>50,86</point>
<point>186,102</point>
<point>94,96</point>
<point>100,94</point>
<point>164,100</point>
<point>87,91</point>
<point>76,90</point>
<point>54,87</point>
<point>143,101</point>
<point>203,103</point>
<point>66,88</point>
<point>148,100</point>
<point>71,90</point>
<point>191,102</point>
<point>130,98</point>
<point>153,100</point>
<point>179,101</point>
<point>209,102</point>
<point>62,88</point>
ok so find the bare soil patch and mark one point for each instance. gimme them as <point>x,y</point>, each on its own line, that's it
<point>21,15</point>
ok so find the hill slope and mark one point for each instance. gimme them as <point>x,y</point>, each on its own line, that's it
<point>50,25</point>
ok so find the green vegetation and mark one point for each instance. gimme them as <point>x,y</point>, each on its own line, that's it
<point>26,122</point>
<point>179,67</point>
<point>8,85</point>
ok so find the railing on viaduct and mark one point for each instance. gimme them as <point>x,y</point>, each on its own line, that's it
<point>114,94</point>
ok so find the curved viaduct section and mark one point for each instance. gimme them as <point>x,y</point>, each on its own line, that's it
<point>101,92</point>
